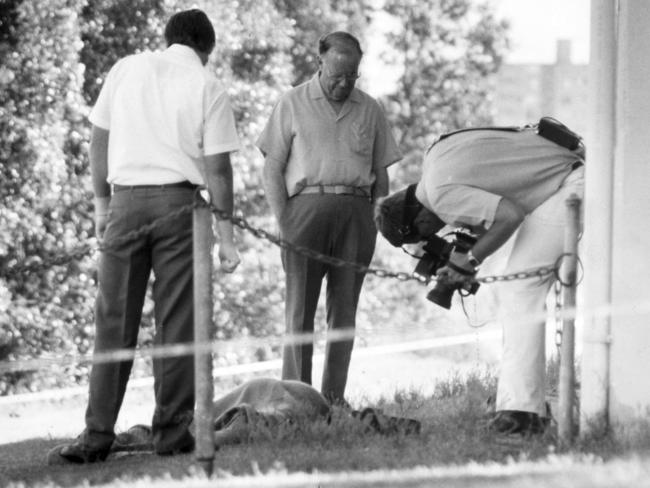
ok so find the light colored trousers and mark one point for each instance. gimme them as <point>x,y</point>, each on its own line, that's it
<point>522,303</point>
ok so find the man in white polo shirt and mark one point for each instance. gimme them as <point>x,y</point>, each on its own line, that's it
<point>327,145</point>
<point>162,125</point>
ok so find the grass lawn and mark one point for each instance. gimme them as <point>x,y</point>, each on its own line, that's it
<point>453,434</point>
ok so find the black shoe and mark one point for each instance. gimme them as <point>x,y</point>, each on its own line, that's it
<point>75,453</point>
<point>184,447</point>
<point>187,448</point>
<point>518,422</point>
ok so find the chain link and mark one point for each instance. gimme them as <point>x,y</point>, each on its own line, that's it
<point>240,222</point>
<point>310,253</point>
<point>557,310</point>
<point>540,272</point>
<point>36,263</point>
<point>145,229</point>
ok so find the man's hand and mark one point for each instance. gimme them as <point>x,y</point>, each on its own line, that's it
<point>101,216</point>
<point>458,272</point>
<point>228,256</point>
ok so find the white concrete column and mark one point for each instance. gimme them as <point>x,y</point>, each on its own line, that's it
<point>629,394</point>
<point>598,207</point>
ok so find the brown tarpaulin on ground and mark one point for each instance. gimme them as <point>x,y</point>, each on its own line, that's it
<point>265,403</point>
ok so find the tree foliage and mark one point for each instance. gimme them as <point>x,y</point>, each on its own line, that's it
<point>311,19</point>
<point>55,56</point>
<point>40,213</point>
<point>111,29</point>
<point>251,58</point>
<point>446,51</point>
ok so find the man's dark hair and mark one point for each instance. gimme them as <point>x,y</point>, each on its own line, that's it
<point>340,41</point>
<point>191,28</point>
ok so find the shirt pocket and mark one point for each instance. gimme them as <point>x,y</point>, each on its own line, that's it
<point>362,140</point>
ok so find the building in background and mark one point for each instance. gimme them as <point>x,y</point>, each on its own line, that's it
<point>525,92</point>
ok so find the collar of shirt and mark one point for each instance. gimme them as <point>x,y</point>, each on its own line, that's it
<point>316,91</point>
<point>183,54</point>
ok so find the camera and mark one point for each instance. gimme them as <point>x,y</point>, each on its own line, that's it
<point>436,252</point>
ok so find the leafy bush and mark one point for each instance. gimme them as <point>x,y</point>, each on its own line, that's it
<point>55,55</point>
<point>42,211</point>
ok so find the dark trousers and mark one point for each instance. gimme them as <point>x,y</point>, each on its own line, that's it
<point>339,226</point>
<point>123,275</point>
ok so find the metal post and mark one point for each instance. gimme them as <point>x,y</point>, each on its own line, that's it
<point>568,274</point>
<point>203,307</point>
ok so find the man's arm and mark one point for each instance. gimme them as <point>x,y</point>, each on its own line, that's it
<point>380,187</point>
<point>218,173</point>
<point>99,173</point>
<point>385,152</point>
<point>507,219</point>
<point>275,186</point>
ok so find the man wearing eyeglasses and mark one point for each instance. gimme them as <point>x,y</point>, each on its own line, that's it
<point>327,146</point>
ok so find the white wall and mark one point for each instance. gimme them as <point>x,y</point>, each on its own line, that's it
<point>616,349</point>
<point>630,360</point>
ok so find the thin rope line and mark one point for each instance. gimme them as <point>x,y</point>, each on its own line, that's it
<point>255,367</point>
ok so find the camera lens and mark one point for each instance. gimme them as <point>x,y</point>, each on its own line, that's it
<point>441,295</point>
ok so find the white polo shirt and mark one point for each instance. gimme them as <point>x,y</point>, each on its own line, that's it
<point>160,108</point>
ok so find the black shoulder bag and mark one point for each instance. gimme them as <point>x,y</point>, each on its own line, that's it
<point>555,131</point>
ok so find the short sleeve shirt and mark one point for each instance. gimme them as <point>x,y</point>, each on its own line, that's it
<point>465,175</point>
<point>163,111</point>
<point>320,147</point>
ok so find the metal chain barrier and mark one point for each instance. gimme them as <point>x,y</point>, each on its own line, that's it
<point>557,310</point>
<point>145,229</point>
<point>35,263</point>
<point>559,303</point>
<point>310,253</point>
<point>381,273</point>
<point>540,272</point>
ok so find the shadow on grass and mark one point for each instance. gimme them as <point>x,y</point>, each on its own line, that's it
<point>25,462</point>
<point>340,446</point>
<point>454,432</point>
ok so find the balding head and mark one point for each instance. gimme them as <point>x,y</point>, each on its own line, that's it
<point>342,42</point>
<point>338,60</point>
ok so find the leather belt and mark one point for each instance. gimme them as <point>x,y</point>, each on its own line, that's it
<point>337,190</point>
<point>180,184</point>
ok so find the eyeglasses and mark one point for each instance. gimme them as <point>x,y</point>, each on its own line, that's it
<point>348,78</point>
<point>351,78</point>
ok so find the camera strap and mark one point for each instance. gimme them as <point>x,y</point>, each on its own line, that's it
<point>508,128</point>
<point>460,270</point>
<point>412,205</point>
<point>410,210</point>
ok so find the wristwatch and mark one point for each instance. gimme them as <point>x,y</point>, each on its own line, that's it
<point>472,260</point>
